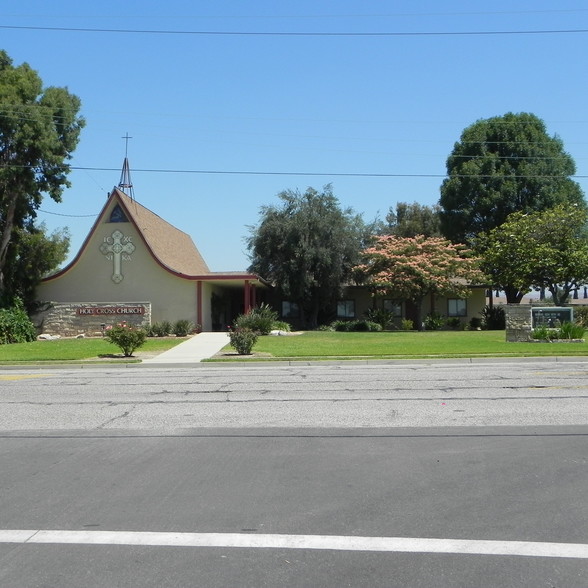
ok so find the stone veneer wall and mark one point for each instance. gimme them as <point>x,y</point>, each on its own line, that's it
<point>518,322</point>
<point>62,318</point>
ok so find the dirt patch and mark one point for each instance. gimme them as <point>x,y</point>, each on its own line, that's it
<point>234,354</point>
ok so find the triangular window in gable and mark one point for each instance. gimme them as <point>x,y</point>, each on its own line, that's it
<point>117,215</point>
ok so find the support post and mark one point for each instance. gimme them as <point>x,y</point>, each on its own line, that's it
<point>199,303</point>
<point>247,297</point>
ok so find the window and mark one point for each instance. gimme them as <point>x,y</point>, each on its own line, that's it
<point>346,309</point>
<point>117,215</point>
<point>393,306</point>
<point>457,307</point>
<point>290,309</point>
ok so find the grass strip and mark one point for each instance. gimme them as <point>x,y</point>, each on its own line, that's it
<point>59,350</point>
<point>404,345</point>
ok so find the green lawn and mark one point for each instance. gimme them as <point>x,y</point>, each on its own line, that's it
<point>69,350</point>
<point>309,345</point>
<point>407,344</point>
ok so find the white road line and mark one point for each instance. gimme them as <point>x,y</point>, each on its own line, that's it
<point>327,542</point>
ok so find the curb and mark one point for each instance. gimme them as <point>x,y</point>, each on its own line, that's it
<point>294,363</point>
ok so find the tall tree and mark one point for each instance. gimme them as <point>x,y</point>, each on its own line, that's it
<point>39,129</point>
<point>34,254</point>
<point>411,268</point>
<point>307,246</point>
<point>547,249</point>
<point>410,220</point>
<point>502,165</point>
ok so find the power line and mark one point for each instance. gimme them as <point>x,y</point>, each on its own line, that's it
<point>298,173</point>
<point>312,174</point>
<point>67,215</point>
<point>304,16</point>
<point>296,33</point>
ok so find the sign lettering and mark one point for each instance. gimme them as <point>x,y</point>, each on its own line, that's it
<point>109,310</point>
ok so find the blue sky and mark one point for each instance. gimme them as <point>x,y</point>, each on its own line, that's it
<point>298,110</point>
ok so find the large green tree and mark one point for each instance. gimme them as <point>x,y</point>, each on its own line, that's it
<point>307,246</point>
<point>35,254</point>
<point>39,129</point>
<point>544,250</point>
<point>410,220</point>
<point>411,268</point>
<point>502,165</point>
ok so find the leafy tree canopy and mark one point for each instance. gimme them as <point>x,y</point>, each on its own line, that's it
<point>39,129</point>
<point>410,220</point>
<point>503,165</point>
<point>307,246</point>
<point>37,255</point>
<point>411,268</point>
<point>547,249</point>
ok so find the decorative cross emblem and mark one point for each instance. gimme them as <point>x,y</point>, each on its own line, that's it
<point>117,248</point>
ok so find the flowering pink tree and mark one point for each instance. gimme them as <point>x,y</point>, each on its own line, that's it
<point>411,268</point>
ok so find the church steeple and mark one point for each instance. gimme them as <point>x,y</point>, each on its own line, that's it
<point>125,183</point>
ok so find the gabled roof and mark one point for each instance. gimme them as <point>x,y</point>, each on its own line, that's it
<point>171,247</point>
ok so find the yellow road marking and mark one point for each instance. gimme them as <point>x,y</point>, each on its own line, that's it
<point>23,377</point>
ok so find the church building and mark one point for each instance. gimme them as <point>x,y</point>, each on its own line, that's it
<point>135,267</point>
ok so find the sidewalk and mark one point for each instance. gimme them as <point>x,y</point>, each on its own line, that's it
<point>193,350</point>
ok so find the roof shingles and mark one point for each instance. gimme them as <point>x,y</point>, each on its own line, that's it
<point>172,248</point>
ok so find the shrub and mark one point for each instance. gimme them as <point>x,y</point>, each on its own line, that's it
<point>406,325</point>
<point>566,331</point>
<point>127,338</point>
<point>454,322</point>
<point>542,333</point>
<point>381,316</point>
<point>15,325</point>
<point>260,319</point>
<point>165,328</point>
<point>183,328</point>
<point>243,339</point>
<point>493,318</point>
<point>434,321</point>
<point>282,326</point>
<point>162,329</point>
<point>570,331</point>
<point>370,326</point>
<point>359,325</point>
<point>475,323</point>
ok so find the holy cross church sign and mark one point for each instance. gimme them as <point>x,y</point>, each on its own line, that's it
<point>117,248</point>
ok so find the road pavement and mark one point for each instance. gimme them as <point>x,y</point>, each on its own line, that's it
<point>416,476</point>
<point>344,395</point>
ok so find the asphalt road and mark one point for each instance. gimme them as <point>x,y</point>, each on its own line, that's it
<point>445,475</point>
<point>413,395</point>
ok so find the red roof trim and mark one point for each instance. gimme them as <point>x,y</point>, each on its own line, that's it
<point>114,195</point>
<point>84,244</point>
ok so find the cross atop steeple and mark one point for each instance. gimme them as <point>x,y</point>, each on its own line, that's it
<point>125,183</point>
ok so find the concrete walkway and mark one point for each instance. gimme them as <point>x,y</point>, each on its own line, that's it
<point>193,350</point>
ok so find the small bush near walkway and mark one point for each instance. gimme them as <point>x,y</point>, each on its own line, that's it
<point>261,319</point>
<point>243,339</point>
<point>127,338</point>
<point>183,328</point>
<point>162,329</point>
